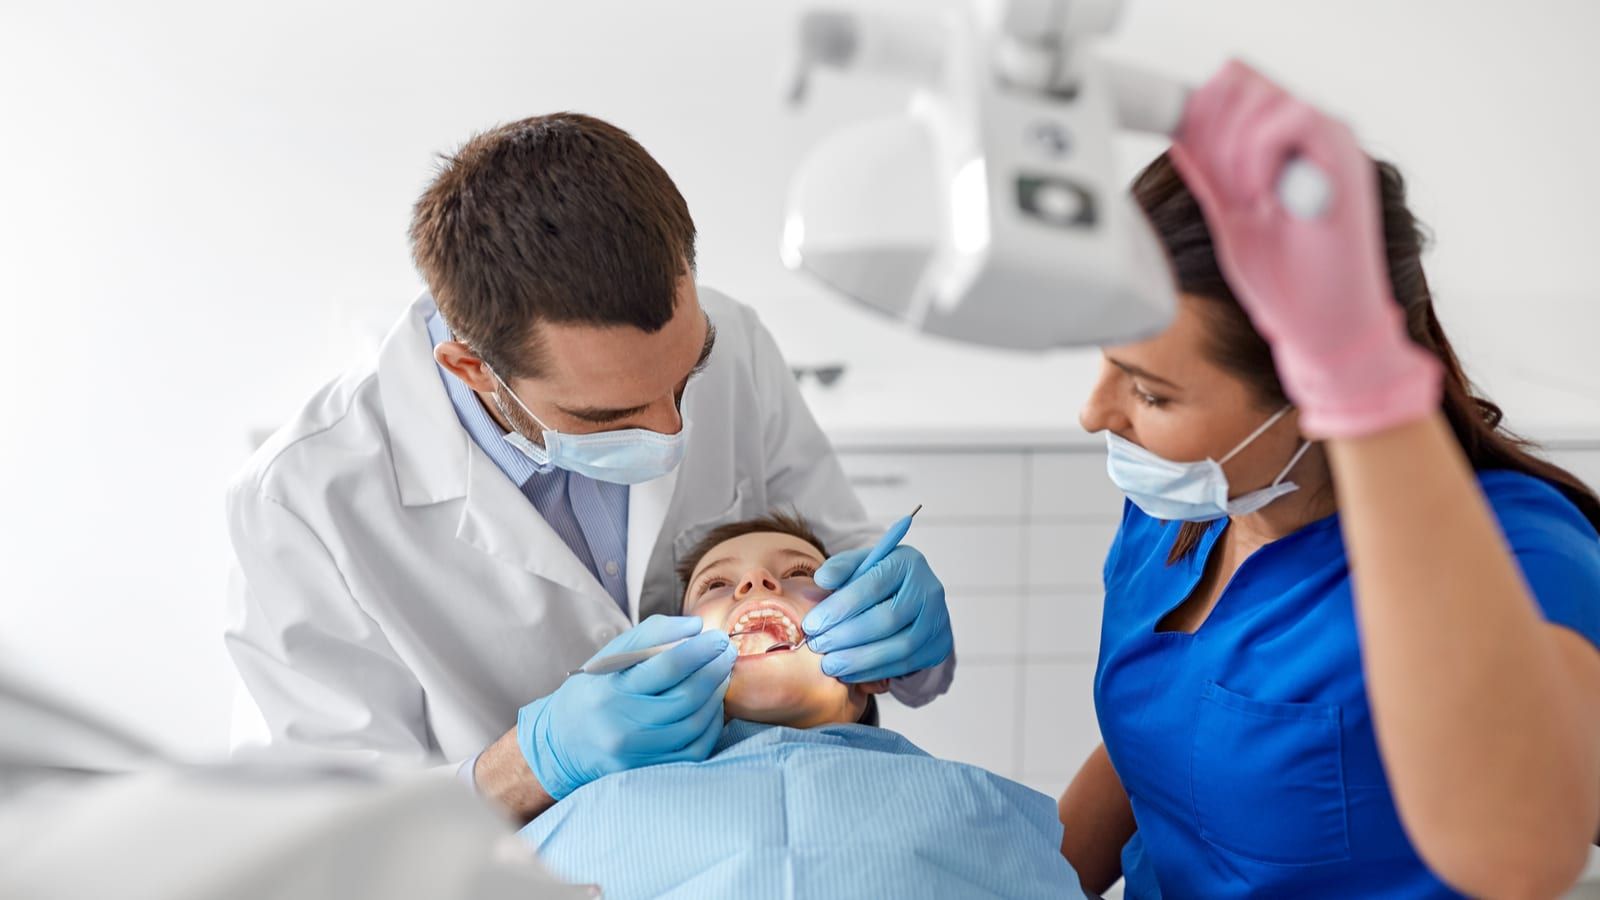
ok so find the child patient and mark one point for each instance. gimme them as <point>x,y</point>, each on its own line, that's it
<point>755,577</point>
<point>798,799</point>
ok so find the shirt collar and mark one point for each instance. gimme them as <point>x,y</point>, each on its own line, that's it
<point>482,427</point>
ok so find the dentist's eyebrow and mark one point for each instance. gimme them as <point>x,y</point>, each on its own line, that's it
<point>1142,373</point>
<point>706,348</point>
<point>602,416</point>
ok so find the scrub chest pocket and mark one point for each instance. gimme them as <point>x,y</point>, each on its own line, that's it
<point>1268,779</point>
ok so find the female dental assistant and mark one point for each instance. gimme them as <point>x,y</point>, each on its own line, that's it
<point>1357,654</point>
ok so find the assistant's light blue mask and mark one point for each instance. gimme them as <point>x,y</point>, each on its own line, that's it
<point>1191,491</point>
<point>629,456</point>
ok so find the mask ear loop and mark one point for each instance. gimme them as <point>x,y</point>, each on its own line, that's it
<point>515,399</point>
<point>1253,435</point>
<point>1293,461</point>
<point>502,382</point>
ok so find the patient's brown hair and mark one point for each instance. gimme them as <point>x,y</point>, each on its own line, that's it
<point>776,522</point>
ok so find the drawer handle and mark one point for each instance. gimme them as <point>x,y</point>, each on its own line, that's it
<point>878,481</point>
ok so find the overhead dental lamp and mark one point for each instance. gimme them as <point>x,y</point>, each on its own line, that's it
<point>989,211</point>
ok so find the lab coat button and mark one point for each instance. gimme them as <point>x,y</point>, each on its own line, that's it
<point>612,568</point>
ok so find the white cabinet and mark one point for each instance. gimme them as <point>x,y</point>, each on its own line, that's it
<point>976,722</point>
<point>1062,623</point>
<point>1058,724</point>
<point>1072,486</point>
<point>1584,463</point>
<point>954,485</point>
<point>1018,536</point>
<point>1068,554</point>
<point>978,555</point>
<point>987,626</point>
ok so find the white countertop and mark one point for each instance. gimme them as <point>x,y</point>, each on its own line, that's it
<point>902,390</point>
<point>1033,402</point>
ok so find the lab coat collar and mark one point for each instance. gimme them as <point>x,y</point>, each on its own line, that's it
<point>647,513</point>
<point>429,446</point>
<point>498,520</point>
<point>435,461</point>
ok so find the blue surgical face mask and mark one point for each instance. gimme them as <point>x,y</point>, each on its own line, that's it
<point>630,456</point>
<point>1191,491</point>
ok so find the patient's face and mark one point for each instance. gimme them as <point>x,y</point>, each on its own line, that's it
<point>762,582</point>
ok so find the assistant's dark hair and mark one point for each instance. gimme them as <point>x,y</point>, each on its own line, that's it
<point>558,218</point>
<point>1238,348</point>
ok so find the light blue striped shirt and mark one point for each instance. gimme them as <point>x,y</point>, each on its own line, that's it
<point>590,516</point>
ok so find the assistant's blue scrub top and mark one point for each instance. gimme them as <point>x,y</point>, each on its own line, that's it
<point>1247,748</point>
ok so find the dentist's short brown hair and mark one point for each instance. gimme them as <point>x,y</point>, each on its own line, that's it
<point>558,218</point>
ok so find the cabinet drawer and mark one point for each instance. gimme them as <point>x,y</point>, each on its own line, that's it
<point>976,722</point>
<point>1068,554</point>
<point>1059,729</point>
<point>971,556</point>
<point>987,626</point>
<point>1071,486</point>
<point>948,485</point>
<point>1058,622</point>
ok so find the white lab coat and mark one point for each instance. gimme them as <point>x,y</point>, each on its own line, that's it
<point>394,596</point>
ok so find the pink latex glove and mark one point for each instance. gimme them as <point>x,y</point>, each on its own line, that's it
<point>1316,289</point>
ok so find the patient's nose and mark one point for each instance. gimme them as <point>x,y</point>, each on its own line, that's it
<point>756,578</point>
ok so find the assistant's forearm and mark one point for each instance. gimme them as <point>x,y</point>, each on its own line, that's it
<point>1097,821</point>
<point>1487,744</point>
<point>502,775</point>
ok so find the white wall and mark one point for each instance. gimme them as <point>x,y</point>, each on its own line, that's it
<point>203,209</point>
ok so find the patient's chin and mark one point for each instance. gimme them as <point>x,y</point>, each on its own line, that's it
<point>786,689</point>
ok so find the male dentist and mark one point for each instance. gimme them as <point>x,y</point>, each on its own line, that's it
<point>438,537</point>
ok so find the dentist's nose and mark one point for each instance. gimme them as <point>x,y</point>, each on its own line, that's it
<point>754,579</point>
<point>662,418</point>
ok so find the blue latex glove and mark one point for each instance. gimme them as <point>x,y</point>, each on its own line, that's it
<point>891,621</point>
<point>665,709</point>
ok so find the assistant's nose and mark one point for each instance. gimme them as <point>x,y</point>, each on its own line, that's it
<point>1103,410</point>
<point>756,579</point>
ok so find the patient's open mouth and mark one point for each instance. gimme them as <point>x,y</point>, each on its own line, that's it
<point>769,629</point>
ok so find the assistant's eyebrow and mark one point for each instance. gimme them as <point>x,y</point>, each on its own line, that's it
<point>1141,373</point>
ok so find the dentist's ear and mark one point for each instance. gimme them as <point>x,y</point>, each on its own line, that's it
<point>459,360</point>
